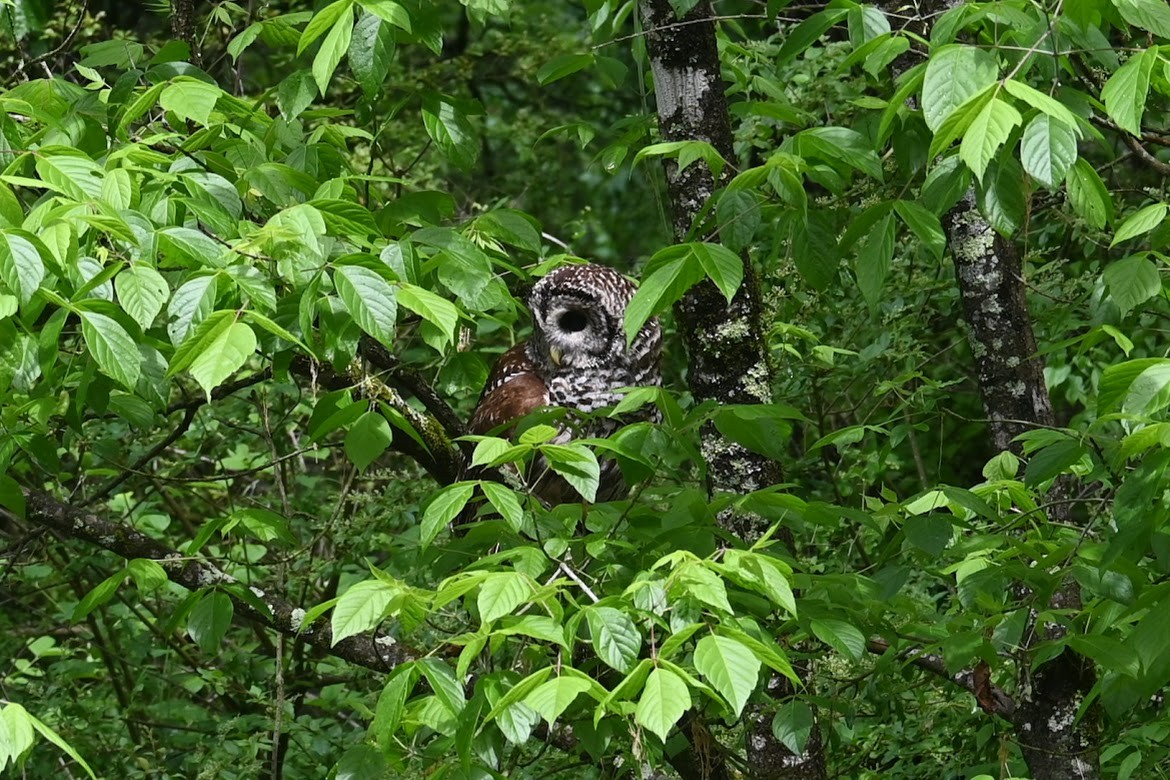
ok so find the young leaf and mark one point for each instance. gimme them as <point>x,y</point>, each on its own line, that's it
<point>660,289</point>
<point>1142,221</point>
<point>442,509</point>
<point>361,608</point>
<point>987,132</point>
<point>500,593</point>
<point>190,99</point>
<point>731,668</point>
<point>334,47</point>
<point>554,696</point>
<point>433,308</point>
<point>577,464</point>
<point>223,356</point>
<point>665,698</point>
<point>367,439</point>
<point>721,265</point>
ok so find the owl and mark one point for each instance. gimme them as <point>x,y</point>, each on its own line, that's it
<point>577,358</point>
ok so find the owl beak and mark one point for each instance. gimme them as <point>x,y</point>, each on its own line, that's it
<point>555,355</point>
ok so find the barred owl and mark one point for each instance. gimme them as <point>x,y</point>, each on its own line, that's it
<point>577,358</point>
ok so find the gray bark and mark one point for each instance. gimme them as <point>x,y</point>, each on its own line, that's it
<point>728,355</point>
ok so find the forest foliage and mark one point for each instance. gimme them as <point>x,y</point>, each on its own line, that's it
<point>254,272</point>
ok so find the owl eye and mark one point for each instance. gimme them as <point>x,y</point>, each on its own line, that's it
<point>573,321</point>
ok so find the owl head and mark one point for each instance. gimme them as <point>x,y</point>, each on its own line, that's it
<point>578,314</point>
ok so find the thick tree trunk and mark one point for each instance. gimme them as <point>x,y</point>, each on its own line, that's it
<point>999,329</point>
<point>728,355</point>
<point>1056,744</point>
<point>183,22</point>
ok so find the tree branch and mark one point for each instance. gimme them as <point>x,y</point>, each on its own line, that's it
<point>377,650</point>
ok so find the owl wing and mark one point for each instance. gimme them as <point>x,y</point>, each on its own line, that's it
<point>514,388</point>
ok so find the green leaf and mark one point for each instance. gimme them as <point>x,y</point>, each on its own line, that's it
<point>1132,281</point>
<point>660,289</point>
<point>1124,94</point>
<point>333,48</point>
<point>1142,221</point>
<point>370,299</point>
<point>111,346</point>
<point>389,11</point>
<point>721,265</point>
<point>793,725</point>
<point>553,697</point>
<point>371,53</point>
<point>451,131</point>
<point>296,93</point>
<point>577,464</point>
<point>929,533</point>
<point>209,621</point>
<point>1116,381</point>
<point>52,737</point>
<point>223,356</point>
<point>924,224</point>
<point>873,259</point>
<point>16,726</point>
<point>442,509</point>
<point>762,428</point>
<point>500,593</point>
<point>21,266</point>
<point>953,75</point>
<point>841,636</point>
<point>665,698</point>
<point>189,306</point>
<point>367,439</point>
<point>1088,196</point>
<point>142,291</point>
<point>1048,149</point>
<point>560,67</point>
<point>1150,15</point>
<point>190,99</point>
<point>814,249</point>
<point>616,639</point>
<point>433,308</point>
<point>731,668</point>
<point>988,131</point>
<point>148,575</point>
<point>1052,461</point>
<point>738,214</point>
<point>325,19</point>
<point>344,218</point>
<point>807,32</point>
<point>1000,196</point>
<point>506,503</point>
<point>361,608</point>
<point>100,594</point>
<point>1052,107</point>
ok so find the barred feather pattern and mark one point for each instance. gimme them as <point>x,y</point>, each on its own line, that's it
<point>577,358</point>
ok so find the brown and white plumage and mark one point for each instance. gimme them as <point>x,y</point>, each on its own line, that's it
<point>577,357</point>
